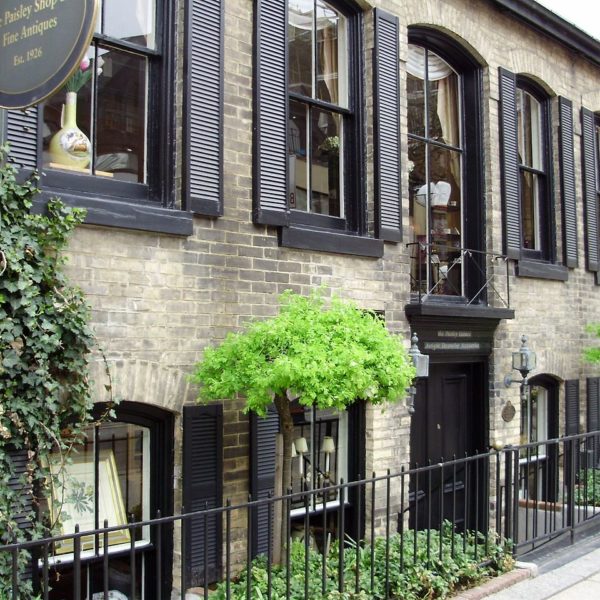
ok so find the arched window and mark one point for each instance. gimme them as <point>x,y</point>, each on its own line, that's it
<point>122,472</point>
<point>539,422</point>
<point>445,204</point>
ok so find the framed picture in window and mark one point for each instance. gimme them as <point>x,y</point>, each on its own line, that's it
<point>73,501</point>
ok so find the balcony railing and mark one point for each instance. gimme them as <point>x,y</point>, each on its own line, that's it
<point>476,276</point>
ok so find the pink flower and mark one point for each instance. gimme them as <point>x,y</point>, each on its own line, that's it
<point>85,64</point>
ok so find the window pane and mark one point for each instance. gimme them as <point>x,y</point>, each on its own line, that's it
<point>445,220</point>
<point>129,444</point>
<point>417,208</point>
<point>529,120</point>
<point>300,44</point>
<point>330,55</point>
<point>416,90</point>
<point>131,21</point>
<point>121,122</point>
<point>326,140</point>
<point>443,102</point>
<point>530,210</point>
<point>324,434</point>
<point>298,156</point>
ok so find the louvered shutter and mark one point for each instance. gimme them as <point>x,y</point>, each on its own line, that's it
<point>270,177</point>
<point>510,164</point>
<point>567,178</point>
<point>22,135</point>
<point>22,491</point>
<point>593,415</point>
<point>263,433</point>
<point>202,486</point>
<point>571,407</point>
<point>590,193</point>
<point>203,114</point>
<point>387,127</point>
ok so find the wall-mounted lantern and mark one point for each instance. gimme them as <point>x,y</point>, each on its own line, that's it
<point>421,363</point>
<point>523,360</point>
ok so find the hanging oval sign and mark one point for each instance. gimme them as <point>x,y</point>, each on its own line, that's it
<point>42,42</point>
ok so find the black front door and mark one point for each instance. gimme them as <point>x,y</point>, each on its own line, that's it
<point>448,424</point>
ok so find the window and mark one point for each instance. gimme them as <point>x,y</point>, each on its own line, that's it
<point>320,451</point>
<point>435,156</point>
<point>118,474</point>
<point>316,73</point>
<point>308,136</point>
<point>319,117</point>
<point>530,225</point>
<point>532,134</point>
<point>444,141</point>
<point>98,124</point>
<point>539,423</point>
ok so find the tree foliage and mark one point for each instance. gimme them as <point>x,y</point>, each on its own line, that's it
<point>592,355</point>
<point>45,340</point>
<point>326,355</point>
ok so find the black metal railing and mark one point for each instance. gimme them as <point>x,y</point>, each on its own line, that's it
<point>350,537</point>
<point>475,275</point>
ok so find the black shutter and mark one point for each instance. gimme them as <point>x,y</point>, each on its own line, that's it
<point>270,176</point>
<point>511,197</point>
<point>593,416</point>
<point>202,487</point>
<point>22,135</point>
<point>203,114</point>
<point>388,204</point>
<point>590,193</point>
<point>571,407</point>
<point>263,433</point>
<point>567,178</point>
<point>22,490</point>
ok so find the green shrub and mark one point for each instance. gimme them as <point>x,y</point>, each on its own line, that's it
<point>587,492</point>
<point>412,576</point>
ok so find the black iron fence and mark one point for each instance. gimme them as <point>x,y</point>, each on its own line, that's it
<point>363,535</point>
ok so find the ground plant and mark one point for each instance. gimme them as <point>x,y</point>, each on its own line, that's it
<point>45,343</point>
<point>587,491</point>
<point>386,570</point>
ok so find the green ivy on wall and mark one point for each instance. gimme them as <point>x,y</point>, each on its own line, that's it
<point>45,342</point>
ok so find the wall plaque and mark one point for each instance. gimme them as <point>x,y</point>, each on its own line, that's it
<point>41,43</point>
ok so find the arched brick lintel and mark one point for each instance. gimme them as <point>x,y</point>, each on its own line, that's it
<point>142,381</point>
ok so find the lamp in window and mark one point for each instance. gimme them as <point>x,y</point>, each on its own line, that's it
<point>327,448</point>
<point>301,448</point>
<point>421,364</point>
<point>523,360</point>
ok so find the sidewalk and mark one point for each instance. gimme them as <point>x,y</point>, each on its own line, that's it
<point>573,574</point>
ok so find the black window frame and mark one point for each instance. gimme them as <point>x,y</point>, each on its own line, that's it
<point>470,72</point>
<point>547,251</point>
<point>157,189</point>
<point>150,206</point>
<point>161,426</point>
<point>271,182</point>
<point>351,123</point>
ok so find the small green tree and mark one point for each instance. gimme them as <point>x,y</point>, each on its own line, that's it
<point>327,356</point>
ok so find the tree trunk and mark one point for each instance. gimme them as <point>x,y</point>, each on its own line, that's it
<point>282,404</point>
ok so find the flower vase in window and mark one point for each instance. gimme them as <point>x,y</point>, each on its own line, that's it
<point>70,147</point>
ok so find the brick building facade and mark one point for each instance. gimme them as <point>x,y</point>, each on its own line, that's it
<point>240,190</point>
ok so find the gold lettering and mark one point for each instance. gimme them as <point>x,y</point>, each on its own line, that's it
<point>9,38</point>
